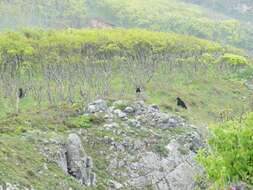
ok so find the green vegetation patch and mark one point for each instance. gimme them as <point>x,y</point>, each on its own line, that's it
<point>230,157</point>
<point>233,59</point>
<point>22,164</point>
<point>82,121</point>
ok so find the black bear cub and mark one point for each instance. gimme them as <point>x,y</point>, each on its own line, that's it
<point>21,93</point>
<point>138,90</point>
<point>181,103</point>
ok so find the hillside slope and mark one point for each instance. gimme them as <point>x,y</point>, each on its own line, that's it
<point>161,15</point>
<point>68,66</point>
<point>101,146</point>
<point>242,10</point>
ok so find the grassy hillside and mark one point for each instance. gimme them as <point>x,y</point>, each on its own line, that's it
<point>161,15</point>
<point>177,17</point>
<point>60,66</point>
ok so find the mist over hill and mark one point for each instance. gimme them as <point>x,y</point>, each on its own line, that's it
<point>242,10</point>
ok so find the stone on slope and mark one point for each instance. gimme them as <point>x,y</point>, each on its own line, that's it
<point>97,106</point>
<point>78,163</point>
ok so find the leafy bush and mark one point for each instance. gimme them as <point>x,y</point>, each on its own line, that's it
<point>233,59</point>
<point>97,118</point>
<point>231,156</point>
<point>78,122</point>
<point>41,46</point>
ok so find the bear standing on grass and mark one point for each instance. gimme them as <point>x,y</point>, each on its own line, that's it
<point>181,103</point>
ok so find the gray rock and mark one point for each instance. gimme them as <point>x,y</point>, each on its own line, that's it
<point>91,109</point>
<point>111,126</point>
<point>129,110</point>
<point>9,186</point>
<point>192,140</point>
<point>114,185</point>
<point>78,163</point>
<point>249,83</point>
<point>97,106</point>
<point>154,106</point>
<point>240,186</point>
<point>133,123</point>
<point>182,177</point>
<point>61,159</point>
<point>120,113</point>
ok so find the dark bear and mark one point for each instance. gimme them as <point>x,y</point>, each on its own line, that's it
<point>21,93</point>
<point>138,90</point>
<point>181,103</point>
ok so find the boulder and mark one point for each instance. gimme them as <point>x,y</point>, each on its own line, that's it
<point>120,113</point>
<point>97,106</point>
<point>79,165</point>
<point>114,185</point>
<point>129,110</point>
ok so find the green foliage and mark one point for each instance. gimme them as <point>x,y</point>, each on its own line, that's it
<point>187,62</point>
<point>175,16</point>
<point>161,149</point>
<point>20,162</point>
<point>121,105</point>
<point>231,156</point>
<point>233,59</point>
<point>97,119</point>
<point>66,46</point>
<point>82,121</point>
<point>15,51</point>
<point>159,15</point>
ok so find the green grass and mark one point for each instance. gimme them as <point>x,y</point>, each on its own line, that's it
<point>21,164</point>
<point>206,95</point>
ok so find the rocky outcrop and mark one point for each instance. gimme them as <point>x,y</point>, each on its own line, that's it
<point>97,106</point>
<point>134,160</point>
<point>71,157</point>
<point>79,165</point>
<point>143,148</point>
<point>175,171</point>
<point>240,186</point>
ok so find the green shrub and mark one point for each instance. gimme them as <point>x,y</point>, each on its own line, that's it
<point>233,59</point>
<point>79,122</point>
<point>97,118</point>
<point>161,150</point>
<point>231,156</point>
